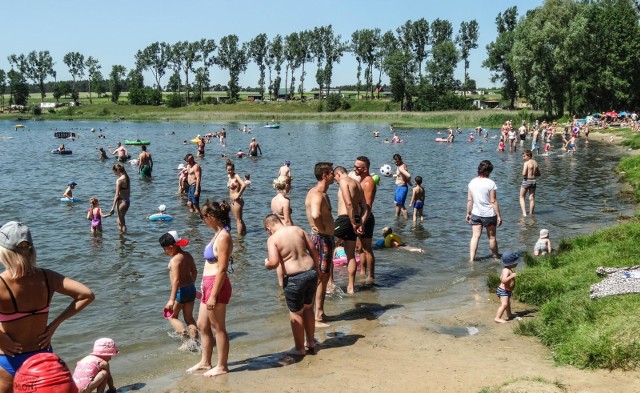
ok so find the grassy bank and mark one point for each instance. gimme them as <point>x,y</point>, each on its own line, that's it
<point>379,111</point>
<point>581,332</point>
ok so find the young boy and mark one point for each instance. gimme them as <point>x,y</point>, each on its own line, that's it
<point>68,193</point>
<point>507,283</point>
<point>291,248</point>
<point>417,199</point>
<point>182,274</point>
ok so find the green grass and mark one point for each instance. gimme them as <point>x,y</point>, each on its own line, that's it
<point>361,110</point>
<point>582,332</point>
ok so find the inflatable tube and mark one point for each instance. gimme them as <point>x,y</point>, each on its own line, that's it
<point>196,140</point>
<point>343,260</point>
<point>276,125</point>
<point>390,238</point>
<point>160,217</point>
<point>61,152</point>
<point>67,200</point>
<point>137,143</point>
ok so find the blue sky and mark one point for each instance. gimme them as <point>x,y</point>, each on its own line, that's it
<point>113,31</point>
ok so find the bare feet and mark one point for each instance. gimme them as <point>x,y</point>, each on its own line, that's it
<point>499,320</point>
<point>199,366</point>
<point>214,372</point>
<point>296,352</point>
<point>320,324</point>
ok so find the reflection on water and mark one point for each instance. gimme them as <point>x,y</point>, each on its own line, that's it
<point>576,194</point>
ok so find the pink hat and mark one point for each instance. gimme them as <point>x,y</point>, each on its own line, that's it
<point>104,347</point>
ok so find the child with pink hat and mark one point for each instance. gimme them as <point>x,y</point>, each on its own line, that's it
<point>92,372</point>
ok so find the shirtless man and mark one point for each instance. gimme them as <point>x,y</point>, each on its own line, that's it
<point>291,250</point>
<point>318,208</point>
<point>284,174</point>
<point>145,163</point>
<point>535,142</point>
<point>367,259</point>
<point>254,148</point>
<point>121,151</point>
<point>201,146</point>
<point>403,181</point>
<point>530,172</point>
<point>353,212</point>
<point>194,174</point>
<point>522,133</point>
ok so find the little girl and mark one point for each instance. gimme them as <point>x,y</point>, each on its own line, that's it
<point>92,372</point>
<point>543,245</point>
<point>247,179</point>
<point>501,144</point>
<point>95,215</point>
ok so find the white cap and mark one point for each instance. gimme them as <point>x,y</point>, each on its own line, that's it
<point>162,208</point>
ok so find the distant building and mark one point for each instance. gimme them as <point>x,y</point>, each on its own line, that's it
<point>486,104</point>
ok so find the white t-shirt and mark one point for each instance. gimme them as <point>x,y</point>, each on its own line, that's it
<point>480,187</point>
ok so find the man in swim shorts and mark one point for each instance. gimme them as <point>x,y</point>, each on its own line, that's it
<point>403,181</point>
<point>145,163</point>
<point>318,209</point>
<point>254,148</point>
<point>530,172</point>
<point>353,212</point>
<point>121,151</point>
<point>369,187</point>
<point>194,174</point>
<point>290,247</point>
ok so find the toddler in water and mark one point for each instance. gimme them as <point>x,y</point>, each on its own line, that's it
<point>68,193</point>
<point>543,245</point>
<point>500,145</point>
<point>95,215</point>
<point>92,372</point>
<point>247,179</point>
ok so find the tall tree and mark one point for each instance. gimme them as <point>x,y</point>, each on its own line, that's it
<point>155,58</point>
<point>400,66</point>
<point>36,66</point>
<point>93,67</point>
<point>419,41</point>
<point>367,50</point>
<point>276,55</point>
<point>356,47</point>
<point>257,51</point>
<point>188,53</point>
<point>388,45</point>
<point>444,56</point>
<point>333,48</point>
<point>292,49</point>
<point>467,39</point>
<point>499,59</point>
<point>3,87</point>
<point>306,38</point>
<point>115,81</point>
<point>207,51</point>
<point>75,62</point>
<point>317,50</point>
<point>18,88</point>
<point>233,57</point>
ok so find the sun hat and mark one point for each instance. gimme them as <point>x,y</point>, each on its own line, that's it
<point>162,208</point>
<point>544,233</point>
<point>14,233</point>
<point>104,347</point>
<point>44,373</point>
<point>72,183</point>
<point>180,242</point>
<point>510,258</point>
<point>181,166</point>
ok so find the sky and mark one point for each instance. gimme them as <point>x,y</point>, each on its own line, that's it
<point>113,31</point>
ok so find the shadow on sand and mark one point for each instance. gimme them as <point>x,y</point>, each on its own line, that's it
<point>282,359</point>
<point>368,311</point>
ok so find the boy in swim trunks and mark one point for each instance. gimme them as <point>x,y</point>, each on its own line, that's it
<point>290,247</point>
<point>507,283</point>
<point>182,274</point>
<point>417,199</point>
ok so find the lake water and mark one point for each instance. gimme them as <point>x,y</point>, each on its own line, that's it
<point>576,195</point>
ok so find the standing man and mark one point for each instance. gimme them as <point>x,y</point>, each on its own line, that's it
<point>530,172</point>
<point>352,214</point>
<point>522,133</point>
<point>367,259</point>
<point>121,151</point>
<point>194,174</point>
<point>284,175</point>
<point>318,209</point>
<point>201,145</point>
<point>145,163</point>
<point>254,148</point>
<point>403,181</point>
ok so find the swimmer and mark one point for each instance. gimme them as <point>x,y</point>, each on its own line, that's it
<point>68,193</point>
<point>391,240</point>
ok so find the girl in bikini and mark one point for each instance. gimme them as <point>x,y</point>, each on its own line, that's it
<point>236,187</point>
<point>121,198</point>
<point>216,290</point>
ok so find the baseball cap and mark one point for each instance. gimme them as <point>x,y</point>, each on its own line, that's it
<point>287,162</point>
<point>14,233</point>
<point>170,238</point>
<point>72,183</point>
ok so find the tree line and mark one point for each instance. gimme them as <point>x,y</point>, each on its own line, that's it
<point>569,56</point>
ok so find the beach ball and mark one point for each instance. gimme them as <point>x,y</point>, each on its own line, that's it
<point>376,179</point>
<point>385,170</point>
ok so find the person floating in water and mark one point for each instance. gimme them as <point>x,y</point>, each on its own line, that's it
<point>391,240</point>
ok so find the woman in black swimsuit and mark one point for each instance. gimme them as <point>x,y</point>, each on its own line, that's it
<point>121,199</point>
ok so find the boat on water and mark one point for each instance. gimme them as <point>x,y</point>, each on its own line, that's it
<point>274,125</point>
<point>19,126</point>
<point>137,142</point>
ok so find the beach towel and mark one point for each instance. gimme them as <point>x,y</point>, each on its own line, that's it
<point>618,281</point>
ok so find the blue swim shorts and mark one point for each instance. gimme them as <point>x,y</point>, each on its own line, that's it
<point>401,194</point>
<point>418,204</point>
<point>195,200</point>
<point>186,294</point>
<point>300,289</point>
<point>501,292</point>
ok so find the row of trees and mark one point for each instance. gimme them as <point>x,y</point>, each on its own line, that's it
<point>567,55</point>
<point>414,49</point>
